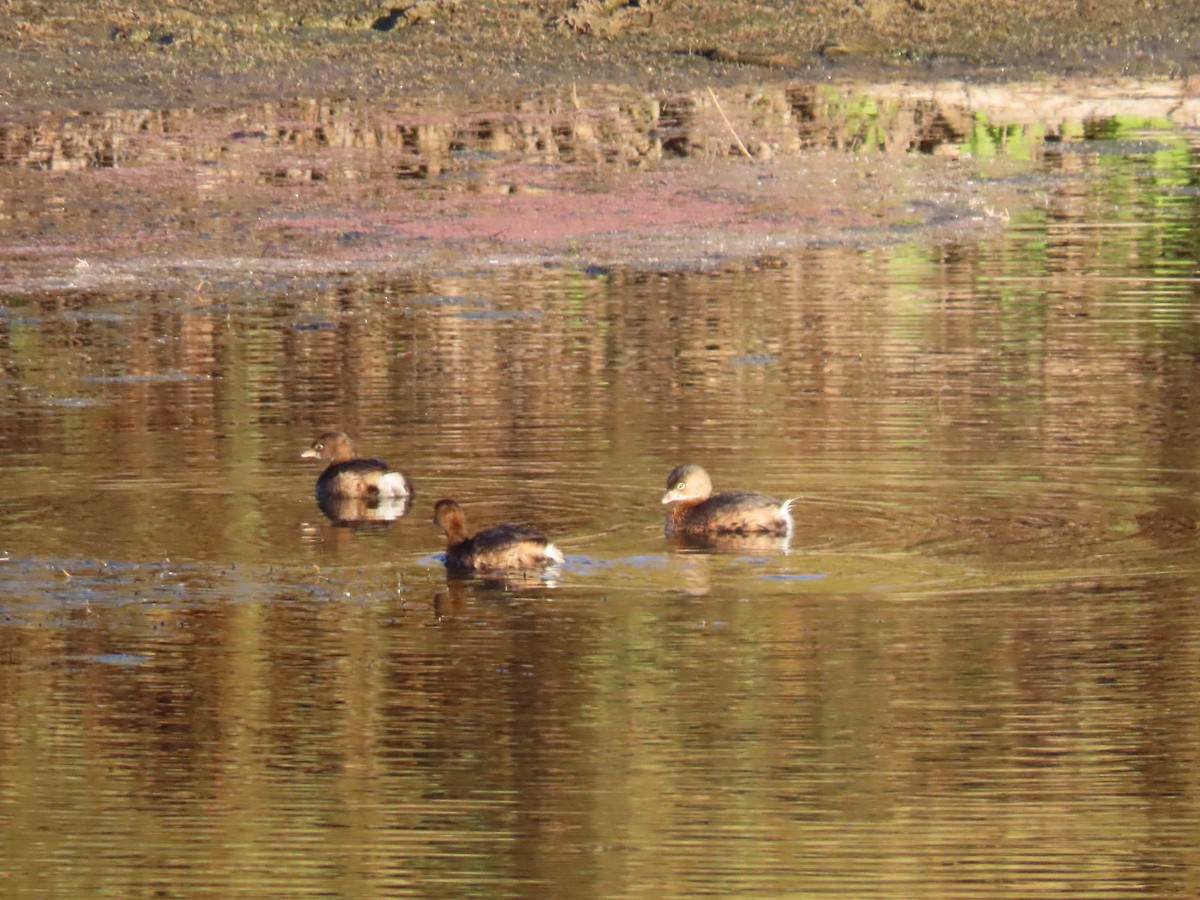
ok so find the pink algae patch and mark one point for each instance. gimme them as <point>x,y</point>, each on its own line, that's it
<point>557,216</point>
<point>274,212</point>
<point>682,210</point>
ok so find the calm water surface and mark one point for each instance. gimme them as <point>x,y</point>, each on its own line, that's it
<point>974,672</point>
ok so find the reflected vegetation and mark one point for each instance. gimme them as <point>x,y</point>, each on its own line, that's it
<point>975,666</point>
<point>596,125</point>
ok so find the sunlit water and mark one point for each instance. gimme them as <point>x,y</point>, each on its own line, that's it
<point>974,672</point>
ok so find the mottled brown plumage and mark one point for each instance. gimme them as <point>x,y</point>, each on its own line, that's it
<point>348,475</point>
<point>695,510</point>
<point>503,547</point>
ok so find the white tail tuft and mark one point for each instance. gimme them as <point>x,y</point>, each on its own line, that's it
<point>393,484</point>
<point>785,510</point>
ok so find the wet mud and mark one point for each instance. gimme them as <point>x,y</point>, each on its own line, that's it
<point>143,53</point>
<point>251,141</point>
<point>316,188</point>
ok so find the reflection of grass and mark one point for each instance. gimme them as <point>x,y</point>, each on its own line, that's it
<point>1054,269</point>
<point>863,122</point>
<point>1022,142</point>
<point>1123,127</point>
<point>1014,141</point>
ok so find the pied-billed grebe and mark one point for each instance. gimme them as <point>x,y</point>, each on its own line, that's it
<point>501,547</point>
<point>695,510</point>
<point>347,476</point>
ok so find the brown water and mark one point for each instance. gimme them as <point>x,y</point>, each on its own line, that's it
<point>974,672</point>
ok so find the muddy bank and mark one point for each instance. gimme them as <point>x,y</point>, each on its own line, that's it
<point>243,141</point>
<point>145,53</point>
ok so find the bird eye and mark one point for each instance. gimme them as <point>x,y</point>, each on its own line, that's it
<point>679,487</point>
<point>320,446</point>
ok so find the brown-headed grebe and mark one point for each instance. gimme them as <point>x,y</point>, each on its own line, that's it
<point>349,476</point>
<point>500,547</point>
<point>696,510</point>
